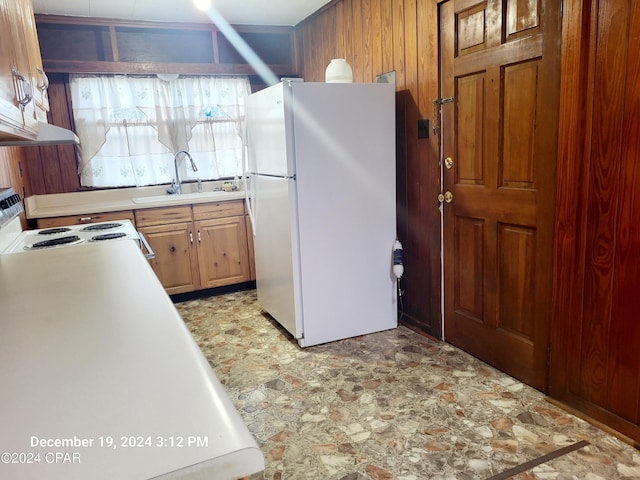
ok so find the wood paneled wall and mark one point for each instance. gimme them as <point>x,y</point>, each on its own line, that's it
<point>53,169</point>
<point>594,364</point>
<point>376,37</point>
<point>10,168</point>
<point>11,171</point>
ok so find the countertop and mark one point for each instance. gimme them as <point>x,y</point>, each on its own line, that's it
<point>93,351</point>
<point>118,199</point>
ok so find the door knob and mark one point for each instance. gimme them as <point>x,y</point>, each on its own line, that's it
<point>445,197</point>
<point>448,162</point>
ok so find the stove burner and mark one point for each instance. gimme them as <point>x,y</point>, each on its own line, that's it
<point>108,236</point>
<point>53,242</point>
<point>52,231</point>
<point>100,226</point>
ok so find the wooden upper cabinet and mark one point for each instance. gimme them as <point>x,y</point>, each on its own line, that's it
<point>70,44</point>
<point>38,79</point>
<point>10,114</point>
<point>22,81</point>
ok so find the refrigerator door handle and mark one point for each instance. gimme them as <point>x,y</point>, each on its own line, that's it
<point>247,199</point>
<point>245,177</point>
<point>271,175</point>
<point>248,195</point>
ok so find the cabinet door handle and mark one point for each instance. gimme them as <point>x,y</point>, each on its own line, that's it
<point>144,245</point>
<point>191,237</point>
<point>199,239</point>
<point>86,219</point>
<point>45,80</point>
<point>22,88</point>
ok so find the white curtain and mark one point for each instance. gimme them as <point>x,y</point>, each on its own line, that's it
<point>131,127</point>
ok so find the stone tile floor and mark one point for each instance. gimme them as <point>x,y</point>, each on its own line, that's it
<point>391,405</point>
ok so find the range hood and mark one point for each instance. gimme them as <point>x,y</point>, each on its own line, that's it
<point>47,135</point>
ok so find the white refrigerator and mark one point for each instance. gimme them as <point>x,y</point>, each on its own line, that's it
<point>321,175</point>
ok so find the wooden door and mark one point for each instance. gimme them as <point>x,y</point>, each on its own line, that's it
<point>500,64</point>
<point>176,259</point>
<point>222,251</point>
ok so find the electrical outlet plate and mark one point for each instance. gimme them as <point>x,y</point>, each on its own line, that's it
<point>423,128</point>
<point>389,77</point>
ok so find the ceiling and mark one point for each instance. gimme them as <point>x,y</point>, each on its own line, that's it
<point>238,12</point>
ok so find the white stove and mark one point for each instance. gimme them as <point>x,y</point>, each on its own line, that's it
<point>14,240</point>
<point>64,237</point>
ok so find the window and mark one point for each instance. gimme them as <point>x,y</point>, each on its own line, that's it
<point>131,127</point>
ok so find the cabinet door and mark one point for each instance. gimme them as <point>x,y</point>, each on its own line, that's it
<point>176,261</point>
<point>39,81</point>
<point>223,251</point>
<point>10,114</point>
<point>23,84</point>
<point>21,67</point>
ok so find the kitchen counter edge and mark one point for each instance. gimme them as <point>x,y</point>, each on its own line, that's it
<point>99,201</point>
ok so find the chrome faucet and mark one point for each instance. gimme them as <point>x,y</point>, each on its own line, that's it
<point>176,187</point>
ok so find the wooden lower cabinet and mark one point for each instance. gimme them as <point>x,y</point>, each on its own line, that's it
<point>197,247</point>
<point>223,255</point>
<point>176,259</point>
